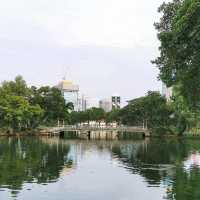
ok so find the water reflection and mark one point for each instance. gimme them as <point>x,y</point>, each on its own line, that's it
<point>154,160</point>
<point>101,135</point>
<point>31,160</point>
<point>159,169</point>
<point>172,164</point>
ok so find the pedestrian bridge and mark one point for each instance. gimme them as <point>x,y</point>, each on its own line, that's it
<point>57,131</point>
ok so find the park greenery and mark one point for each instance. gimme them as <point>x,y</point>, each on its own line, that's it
<point>178,63</point>
<point>179,35</point>
<point>151,111</point>
<point>24,108</point>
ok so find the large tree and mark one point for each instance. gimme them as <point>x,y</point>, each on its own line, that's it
<point>16,113</point>
<point>179,60</point>
<point>18,87</point>
<point>152,111</point>
<point>52,102</point>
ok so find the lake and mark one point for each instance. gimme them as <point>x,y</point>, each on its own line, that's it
<point>59,169</point>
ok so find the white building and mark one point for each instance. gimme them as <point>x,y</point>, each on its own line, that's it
<point>70,92</point>
<point>106,105</point>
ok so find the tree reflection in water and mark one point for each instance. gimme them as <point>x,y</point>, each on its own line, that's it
<point>161,162</point>
<point>170,164</point>
<point>185,184</point>
<point>30,160</point>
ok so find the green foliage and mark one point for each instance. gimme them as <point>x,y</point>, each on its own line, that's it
<point>179,34</point>
<point>96,114</point>
<point>185,117</point>
<point>113,116</point>
<point>23,108</point>
<point>152,111</point>
<point>92,114</point>
<point>17,87</point>
<point>52,102</point>
<point>16,112</point>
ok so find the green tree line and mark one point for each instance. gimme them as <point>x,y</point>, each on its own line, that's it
<point>23,107</point>
<point>94,114</point>
<point>151,111</point>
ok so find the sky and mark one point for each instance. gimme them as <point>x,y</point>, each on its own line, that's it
<point>105,46</point>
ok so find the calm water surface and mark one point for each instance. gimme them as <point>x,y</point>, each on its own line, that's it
<point>58,169</point>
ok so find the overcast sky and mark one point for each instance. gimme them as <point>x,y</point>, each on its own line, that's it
<point>105,46</point>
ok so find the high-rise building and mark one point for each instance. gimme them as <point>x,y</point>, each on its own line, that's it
<point>116,102</point>
<point>83,103</point>
<point>70,92</point>
<point>166,92</point>
<point>106,105</point>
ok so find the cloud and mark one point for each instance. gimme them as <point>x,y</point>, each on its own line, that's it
<point>90,22</point>
<point>108,44</point>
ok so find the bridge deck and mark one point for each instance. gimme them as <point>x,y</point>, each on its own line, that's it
<point>58,130</point>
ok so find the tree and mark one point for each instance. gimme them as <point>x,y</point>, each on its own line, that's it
<point>179,35</point>
<point>96,114</point>
<point>150,110</point>
<point>17,114</point>
<point>113,116</point>
<point>186,118</point>
<point>22,107</point>
<point>92,114</point>
<point>16,111</point>
<point>52,102</point>
<point>18,87</point>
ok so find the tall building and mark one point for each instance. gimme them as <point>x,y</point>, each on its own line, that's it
<point>116,102</point>
<point>83,103</point>
<point>106,105</point>
<point>70,92</point>
<point>166,92</point>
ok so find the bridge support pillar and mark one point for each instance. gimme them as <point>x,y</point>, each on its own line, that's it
<point>147,134</point>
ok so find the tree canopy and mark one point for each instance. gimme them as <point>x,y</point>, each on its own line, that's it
<point>92,114</point>
<point>23,107</point>
<point>179,34</point>
<point>150,111</point>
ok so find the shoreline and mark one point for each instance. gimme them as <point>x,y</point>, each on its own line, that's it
<point>40,133</point>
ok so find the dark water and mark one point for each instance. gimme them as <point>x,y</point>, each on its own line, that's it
<point>53,169</point>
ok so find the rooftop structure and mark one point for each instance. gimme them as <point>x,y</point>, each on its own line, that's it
<point>67,86</point>
<point>116,101</point>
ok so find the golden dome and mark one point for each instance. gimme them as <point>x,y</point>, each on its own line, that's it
<point>66,82</point>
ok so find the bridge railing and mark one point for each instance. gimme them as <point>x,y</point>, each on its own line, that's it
<point>74,127</point>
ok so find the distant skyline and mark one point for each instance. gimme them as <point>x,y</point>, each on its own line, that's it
<point>105,46</point>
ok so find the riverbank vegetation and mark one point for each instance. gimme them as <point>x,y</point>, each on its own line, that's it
<point>179,60</point>
<point>24,108</point>
<point>151,111</point>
